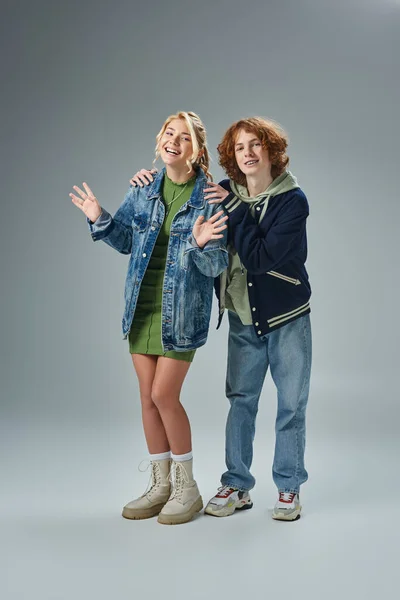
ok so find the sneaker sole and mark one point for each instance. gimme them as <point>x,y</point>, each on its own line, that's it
<point>228,510</point>
<point>294,516</point>
<point>137,514</point>
<point>181,518</point>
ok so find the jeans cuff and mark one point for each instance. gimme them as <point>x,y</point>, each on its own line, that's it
<point>234,485</point>
<point>288,491</point>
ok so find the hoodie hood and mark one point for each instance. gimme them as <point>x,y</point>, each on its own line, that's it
<point>284,183</point>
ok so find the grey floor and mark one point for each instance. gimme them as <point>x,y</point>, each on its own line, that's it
<point>63,486</point>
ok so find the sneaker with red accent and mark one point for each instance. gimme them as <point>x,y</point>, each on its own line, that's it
<point>288,507</point>
<point>227,500</point>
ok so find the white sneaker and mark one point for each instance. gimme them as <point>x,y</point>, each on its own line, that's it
<point>152,501</point>
<point>185,500</point>
<point>227,500</point>
<point>287,507</point>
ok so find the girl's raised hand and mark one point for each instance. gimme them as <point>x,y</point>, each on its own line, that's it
<point>215,193</point>
<point>87,202</point>
<point>204,231</point>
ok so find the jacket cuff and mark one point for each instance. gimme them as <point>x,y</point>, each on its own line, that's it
<point>191,245</point>
<point>101,223</point>
<point>191,240</point>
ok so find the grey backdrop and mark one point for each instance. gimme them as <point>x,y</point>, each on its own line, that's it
<point>85,88</point>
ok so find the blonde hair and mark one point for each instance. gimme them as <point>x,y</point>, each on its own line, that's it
<point>199,141</point>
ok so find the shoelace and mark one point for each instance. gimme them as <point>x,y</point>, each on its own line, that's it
<point>286,497</point>
<point>155,476</point>
<point>178,477</point>
<point>224,491</point>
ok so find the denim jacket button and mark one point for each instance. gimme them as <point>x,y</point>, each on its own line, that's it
<point>153,228</point>
<point>256,324</point>
<point>253,309</point>
<point>259,332</point>
<point>250,284</point>
<point>144,254</point>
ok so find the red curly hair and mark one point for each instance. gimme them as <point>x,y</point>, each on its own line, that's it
<point>272,138</point>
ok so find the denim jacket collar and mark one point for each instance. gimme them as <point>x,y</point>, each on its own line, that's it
<point>196,200</point>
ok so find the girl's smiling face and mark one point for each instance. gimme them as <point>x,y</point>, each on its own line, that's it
<point>175,145</point>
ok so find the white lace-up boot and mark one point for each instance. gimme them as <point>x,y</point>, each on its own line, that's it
<point>185,500</point>
<point>152,501</point>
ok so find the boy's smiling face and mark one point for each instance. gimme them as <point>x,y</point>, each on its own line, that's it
<point>251,157</point>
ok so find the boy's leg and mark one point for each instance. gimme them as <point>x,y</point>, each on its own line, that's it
<point>289,351</point>
<point>247,367</point>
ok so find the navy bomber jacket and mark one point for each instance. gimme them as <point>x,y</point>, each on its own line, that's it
<point>274,253</point>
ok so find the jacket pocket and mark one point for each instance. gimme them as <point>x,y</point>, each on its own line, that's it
<point>183,234</point>
<point>140,222</point>
<point>284,277</point>
<point>185,259</point>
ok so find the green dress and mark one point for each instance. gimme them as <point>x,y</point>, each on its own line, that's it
<point>145,333</point>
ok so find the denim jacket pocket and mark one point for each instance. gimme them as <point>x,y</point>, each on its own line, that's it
<point>140,222</point>
<point>185,259</point>
<point>183,234</point>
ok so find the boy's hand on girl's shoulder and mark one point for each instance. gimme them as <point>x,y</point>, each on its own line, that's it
<point>143,178</point>
<point>215,193</point>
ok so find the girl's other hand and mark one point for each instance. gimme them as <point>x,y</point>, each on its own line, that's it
<point>87,202</point>
<point>204,231</point>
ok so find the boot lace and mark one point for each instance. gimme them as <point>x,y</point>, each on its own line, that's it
<point>154,479</point>
<point>178,477</point>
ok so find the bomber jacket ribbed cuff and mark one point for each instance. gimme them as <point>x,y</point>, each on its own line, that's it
<point>231,203</point>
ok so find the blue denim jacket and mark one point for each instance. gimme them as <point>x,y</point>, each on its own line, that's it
<point>189,272</point>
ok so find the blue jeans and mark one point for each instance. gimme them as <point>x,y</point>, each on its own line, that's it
<point>288,353</point>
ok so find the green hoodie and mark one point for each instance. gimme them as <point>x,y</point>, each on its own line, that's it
<point>234,279</point>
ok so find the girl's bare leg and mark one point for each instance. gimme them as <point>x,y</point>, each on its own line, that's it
<point>154,431</point>
<point>165,393</point>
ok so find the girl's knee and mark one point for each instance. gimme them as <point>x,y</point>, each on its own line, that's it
<point>148,403</point>
<point>162,399</point>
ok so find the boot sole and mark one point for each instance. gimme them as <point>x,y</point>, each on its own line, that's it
<point>294,516</point>
<point>136,514</point>
<point>227,511</point>
<point>182,518</point>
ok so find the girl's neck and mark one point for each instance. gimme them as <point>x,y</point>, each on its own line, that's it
<point>179,175</point>
<point>258,184</point>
